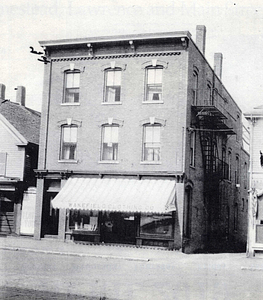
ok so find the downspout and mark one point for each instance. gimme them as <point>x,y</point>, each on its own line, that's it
<point>250,218</point>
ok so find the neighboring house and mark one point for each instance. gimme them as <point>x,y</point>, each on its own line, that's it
<point>140,144</point>
<point>255,204</point>
<point>19,135</point>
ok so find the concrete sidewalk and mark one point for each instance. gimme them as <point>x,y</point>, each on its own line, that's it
<point>52,246</point>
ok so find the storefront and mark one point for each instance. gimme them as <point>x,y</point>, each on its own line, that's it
<point>118,210</point>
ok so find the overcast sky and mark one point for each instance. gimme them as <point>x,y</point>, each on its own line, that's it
<point>234,28</point>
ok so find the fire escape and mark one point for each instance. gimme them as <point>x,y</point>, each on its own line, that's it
<point>213,124</point>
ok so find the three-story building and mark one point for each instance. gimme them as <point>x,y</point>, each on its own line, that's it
<point>140,144</point>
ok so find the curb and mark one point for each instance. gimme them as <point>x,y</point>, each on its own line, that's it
<point>75,254</point>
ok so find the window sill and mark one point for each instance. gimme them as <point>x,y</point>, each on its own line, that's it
<point>111,103</point>
<point>70,104</point>
<point>150,162</point>
<point>108,162</point>
<point>152,102</point>
<point>68,161</point>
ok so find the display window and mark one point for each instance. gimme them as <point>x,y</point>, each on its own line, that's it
<point>83,220</point>
<point>156,225</point>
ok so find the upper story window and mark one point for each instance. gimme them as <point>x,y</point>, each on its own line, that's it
<point>229,164</point>
<point>112,85</point>
<point>110,140</point>
<point>192,148</point>
<point>154,82</point>
<point>71,87</point>
<point>68,142</point>
<point>237,171</point>
<point>3,157</point>
<point>195,87</point>
<point>209,94</point>
<point>151,142</point>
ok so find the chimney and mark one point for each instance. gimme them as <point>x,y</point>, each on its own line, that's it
<point>2,91</point>
<point>21,95</point>
<point>218,60</point>
<point>200,37</point>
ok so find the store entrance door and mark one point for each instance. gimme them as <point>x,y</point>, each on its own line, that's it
<point>118,228</point>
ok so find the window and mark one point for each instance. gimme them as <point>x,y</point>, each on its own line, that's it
<point>158,225</point>
<point>188,213</point>
<point>245,176</point>
<point>209,94</point>
<point>71,92</point>
<point>3,156</point>
<point>229,164</point>
<point>151,142</point>
<point>195,87</point>
<point>110,142</point>
<point>237,171</point>
<point>112,85</point>
<point>68,142</point>
<point>154,83</point>
<point>192,148</point>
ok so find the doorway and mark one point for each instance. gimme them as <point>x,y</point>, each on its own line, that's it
<point>118,228</point>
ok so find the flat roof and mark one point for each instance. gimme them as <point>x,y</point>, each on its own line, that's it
<point>116,38</point>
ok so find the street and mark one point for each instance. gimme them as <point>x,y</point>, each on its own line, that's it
<point>176,276</point>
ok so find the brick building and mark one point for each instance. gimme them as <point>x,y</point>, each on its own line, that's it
<point>140,144</point>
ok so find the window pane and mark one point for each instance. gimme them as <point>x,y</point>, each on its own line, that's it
<point>152,145</point>
<point>151,76</point>
<point>72,80</point>
<point>110,78</point>
<point>158,75</point>
<point>161,225</point>
<point>117,79</point>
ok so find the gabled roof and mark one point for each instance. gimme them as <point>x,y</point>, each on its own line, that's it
<point>25,120</point>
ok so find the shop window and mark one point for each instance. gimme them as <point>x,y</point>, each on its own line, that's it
<point>83,220</point>
<point>68,142</point>
<point>110,137</point>
<point>157,225</point>
<point>154,78</point>
<point>112,85</point>
<point>71,87</point>
<point>151,142</point>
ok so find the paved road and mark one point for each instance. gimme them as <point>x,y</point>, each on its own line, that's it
<point>179,276</point>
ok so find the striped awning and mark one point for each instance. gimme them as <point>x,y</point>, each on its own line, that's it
<point>117,194</point>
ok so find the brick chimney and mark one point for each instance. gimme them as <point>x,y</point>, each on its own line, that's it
<point>21,95</point>
<point>218,61</point>
<point>2,92</point>
<point>200,37</point>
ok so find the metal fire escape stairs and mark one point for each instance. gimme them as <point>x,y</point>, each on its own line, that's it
<point>212,123</point>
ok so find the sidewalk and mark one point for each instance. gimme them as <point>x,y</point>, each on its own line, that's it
<point>125,252</point>
<point>52,246</point>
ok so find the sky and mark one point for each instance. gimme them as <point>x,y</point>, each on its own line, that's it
<point>234,28</point>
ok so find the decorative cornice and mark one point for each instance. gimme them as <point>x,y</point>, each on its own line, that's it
<point>80,58</point>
